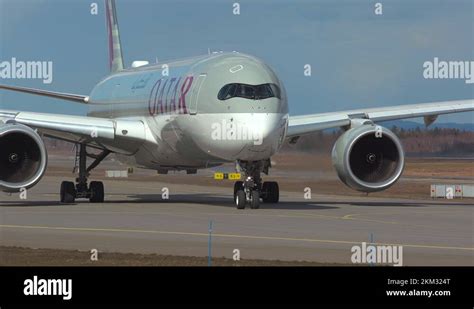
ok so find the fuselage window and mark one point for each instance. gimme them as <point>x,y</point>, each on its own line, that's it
<point>252,92</point>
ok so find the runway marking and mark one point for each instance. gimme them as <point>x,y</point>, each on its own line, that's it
<point>304,216</point>
<point>85,229</point>
<point>296,215</point>
<point>350,217</point>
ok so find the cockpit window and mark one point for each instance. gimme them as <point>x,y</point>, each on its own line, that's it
<point>253,92</point>
<point>227,92</point>
<point>245,91</point>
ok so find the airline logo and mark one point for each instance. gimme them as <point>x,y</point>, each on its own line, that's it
<point>168,95</point>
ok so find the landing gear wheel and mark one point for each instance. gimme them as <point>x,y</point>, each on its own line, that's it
<point>81,189</point>
<point>240,199</point>
<point>252,186</point>
<point>97,192</point>
<point>238,185</point>
<point>255,199</point>
<point>68,192</point>
<point>271,192</point>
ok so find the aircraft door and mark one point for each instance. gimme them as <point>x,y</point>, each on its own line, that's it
<point>195,93</point>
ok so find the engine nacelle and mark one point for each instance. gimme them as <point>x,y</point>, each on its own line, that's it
<point>23,157</point>
<point>368,158</point>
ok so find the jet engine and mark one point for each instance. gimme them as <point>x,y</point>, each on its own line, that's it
<point>368,158</point>
<point>23,157</point>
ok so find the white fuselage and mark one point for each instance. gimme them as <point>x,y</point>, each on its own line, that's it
<point>186,125</point>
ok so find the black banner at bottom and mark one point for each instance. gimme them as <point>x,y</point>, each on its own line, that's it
<point>237,285</point>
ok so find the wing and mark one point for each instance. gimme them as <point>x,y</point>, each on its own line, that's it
<point>52,94</point>
<point>300,125</point>
<point>116,135</point>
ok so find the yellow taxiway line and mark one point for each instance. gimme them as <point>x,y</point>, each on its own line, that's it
<point>115,230</point>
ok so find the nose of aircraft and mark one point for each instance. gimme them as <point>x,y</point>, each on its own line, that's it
<point>248,136</point>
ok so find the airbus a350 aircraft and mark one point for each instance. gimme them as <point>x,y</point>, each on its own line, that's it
<point>187,115</point>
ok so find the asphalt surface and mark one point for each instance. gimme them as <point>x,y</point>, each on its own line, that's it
<point>135,219</point>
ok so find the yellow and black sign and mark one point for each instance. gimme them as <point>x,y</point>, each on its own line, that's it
<point>223,176</point>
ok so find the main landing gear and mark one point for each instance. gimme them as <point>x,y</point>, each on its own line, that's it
<point>251,190</point>
<point>95,190</point>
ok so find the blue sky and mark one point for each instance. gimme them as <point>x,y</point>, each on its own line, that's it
<point>358,59</point>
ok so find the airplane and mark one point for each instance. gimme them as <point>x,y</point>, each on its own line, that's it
<point>198,113</point>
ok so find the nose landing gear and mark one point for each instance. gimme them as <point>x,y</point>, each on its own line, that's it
<point>251,190</point>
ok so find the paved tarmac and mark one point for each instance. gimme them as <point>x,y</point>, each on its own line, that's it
<point>136,219</point>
